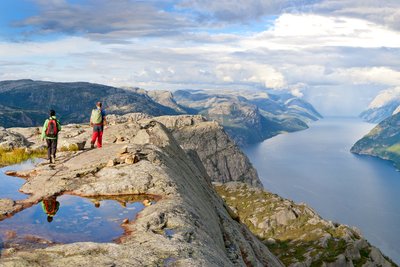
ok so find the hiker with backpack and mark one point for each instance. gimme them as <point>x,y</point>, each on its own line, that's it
<point>97,121</point>
<point>50,130</point>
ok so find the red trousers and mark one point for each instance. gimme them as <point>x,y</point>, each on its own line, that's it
<point>97,134</point>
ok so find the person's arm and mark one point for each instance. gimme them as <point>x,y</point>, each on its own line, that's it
<point>58,125</point>
<point>103,113</point>
<point>44,129</point>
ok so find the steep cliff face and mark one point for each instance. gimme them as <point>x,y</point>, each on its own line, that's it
<point>221,157</point>
<point>296,234</point>
<point>204,234</point>
<point>383,141</point>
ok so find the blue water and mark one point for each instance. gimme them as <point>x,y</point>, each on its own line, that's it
<point>315,166</point>
<point>9,185</point>
<point>77,219</point>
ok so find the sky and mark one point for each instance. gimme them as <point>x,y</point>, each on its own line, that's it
<point>337,54</point>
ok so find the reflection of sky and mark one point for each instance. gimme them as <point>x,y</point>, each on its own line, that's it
<point>76,220</point>
<point>316,167</point>
<point>9,185</point>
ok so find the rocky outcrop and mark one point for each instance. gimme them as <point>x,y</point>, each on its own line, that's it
<point>204,234</point>
<point>221,157</point>
<point>296,233</point>
<point>9,139</point>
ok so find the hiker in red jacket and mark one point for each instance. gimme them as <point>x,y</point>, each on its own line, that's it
<point>98,121</point>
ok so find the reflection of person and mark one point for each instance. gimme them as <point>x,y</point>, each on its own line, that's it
<point>50,206</point>
<point>147,202</point>
<point>96,203</point>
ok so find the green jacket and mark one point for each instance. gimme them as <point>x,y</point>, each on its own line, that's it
<point>45,127</point>
<point>50,207</point>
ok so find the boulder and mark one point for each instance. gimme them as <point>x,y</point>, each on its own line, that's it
<point>9,139</point>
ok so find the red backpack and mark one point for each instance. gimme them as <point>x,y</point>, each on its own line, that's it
<point>52,129</point>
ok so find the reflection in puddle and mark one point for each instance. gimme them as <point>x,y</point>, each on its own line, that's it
<point>10,185</point>
<point>68,219</point>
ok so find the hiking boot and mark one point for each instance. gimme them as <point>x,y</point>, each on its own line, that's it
<point>52,159</point>
<point>91,145</point>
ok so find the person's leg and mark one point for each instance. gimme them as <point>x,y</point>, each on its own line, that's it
<point>54,149</point>
<point>48,141</point>
<point>94,136</point>
<point>100,139</point>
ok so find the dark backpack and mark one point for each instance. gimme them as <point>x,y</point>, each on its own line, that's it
<point>52,129</point>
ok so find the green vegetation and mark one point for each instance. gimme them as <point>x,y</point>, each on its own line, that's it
<point>291,231</point>
<point>71,147</point>
<point>394,149</point>
<point>364,256</point>
<point>17,155</point>
<point>382,141</point>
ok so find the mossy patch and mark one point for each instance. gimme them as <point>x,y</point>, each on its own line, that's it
<point>18,155</point>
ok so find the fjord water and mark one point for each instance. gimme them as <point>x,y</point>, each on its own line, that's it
<point>315,166</point>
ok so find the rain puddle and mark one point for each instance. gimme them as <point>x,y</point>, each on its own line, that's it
<point>68,219</point>
<point>10,185</point>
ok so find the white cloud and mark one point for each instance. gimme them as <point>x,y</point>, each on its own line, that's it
<point>298,53</point>
<point>381,12</point>
<point>302,31</point>
<point>261,75</point>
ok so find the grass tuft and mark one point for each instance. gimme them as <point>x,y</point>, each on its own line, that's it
<point>71,147</point>
<point>18,155</point>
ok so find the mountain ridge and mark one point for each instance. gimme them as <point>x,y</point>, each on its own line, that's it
<point>26,102</point>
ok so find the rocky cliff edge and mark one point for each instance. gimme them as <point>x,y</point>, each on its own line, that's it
<point>147,160</point>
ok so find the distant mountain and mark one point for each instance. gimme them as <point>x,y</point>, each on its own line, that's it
<point>164,98</point>
<point>247,116</point>
<point>383,141</point>
<point>26,102</point>
<point>252,118</point>
<point>385,104</point>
